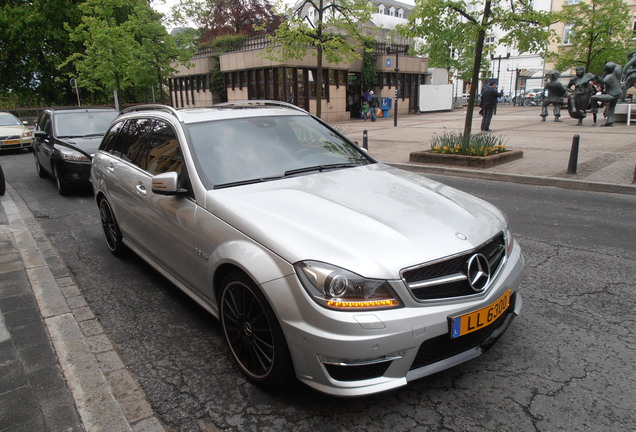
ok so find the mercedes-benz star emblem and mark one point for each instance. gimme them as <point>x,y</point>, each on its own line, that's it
<point>478,272</point>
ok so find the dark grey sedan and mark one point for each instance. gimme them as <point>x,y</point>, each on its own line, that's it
<point>64,143</point>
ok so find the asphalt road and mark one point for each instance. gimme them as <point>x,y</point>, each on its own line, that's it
<point>567,363</point>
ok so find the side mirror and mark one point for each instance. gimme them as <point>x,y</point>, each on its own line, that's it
<point>167,184</point>
<point>40,134</point>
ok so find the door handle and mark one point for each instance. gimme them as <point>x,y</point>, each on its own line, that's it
<point>110,168</point>
<point>141,189</point>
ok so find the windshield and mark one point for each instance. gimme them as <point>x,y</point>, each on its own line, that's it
<point>245,150</point>
<point>83,123</point>
<point>7,119</point>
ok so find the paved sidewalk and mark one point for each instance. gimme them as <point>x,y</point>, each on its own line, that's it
<point>58,369</point>
<point>606,158</point>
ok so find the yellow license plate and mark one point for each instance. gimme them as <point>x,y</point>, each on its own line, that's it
<point>8,142</point>
<point>473,321</point>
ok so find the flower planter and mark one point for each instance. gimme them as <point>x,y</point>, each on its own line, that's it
<point>429,157</point>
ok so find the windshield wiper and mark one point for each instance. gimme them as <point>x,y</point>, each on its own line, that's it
<point>246,182</point>
<point>80,136</point>
<point>319,168</point>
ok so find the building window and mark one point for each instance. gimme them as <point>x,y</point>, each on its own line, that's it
<point>381,9</point>
<point>490,40</point>
<point>573,1</point>
<point>568,32</point>
<point>400,13</point>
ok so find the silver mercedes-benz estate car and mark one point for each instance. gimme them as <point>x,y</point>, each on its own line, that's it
<point>320,262</point>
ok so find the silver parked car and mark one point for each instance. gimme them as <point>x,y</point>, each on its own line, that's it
<point>14,134</point>
<point>320,262</point>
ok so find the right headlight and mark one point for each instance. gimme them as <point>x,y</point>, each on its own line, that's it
<point>72,155</point>
<point>340,289</point>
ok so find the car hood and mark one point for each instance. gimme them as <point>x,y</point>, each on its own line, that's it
<point>373,220</point>
<point>12,130</point>
<point>87,144</point>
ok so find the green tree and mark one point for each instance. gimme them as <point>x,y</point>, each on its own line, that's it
<point>226,17</point>
<point>126,48</point>
<point>600,32</point>
<point>333,33</point>
<point>220,45</point>
<point>461,26</point>
<point>368,75</point>
<point>33,43</point>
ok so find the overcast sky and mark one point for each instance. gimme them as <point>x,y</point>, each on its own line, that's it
<point>164,6</point>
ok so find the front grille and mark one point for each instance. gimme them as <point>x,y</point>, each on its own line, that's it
<point>447,278</point>
<point>443,347</point>
<point>9,137</point>
<point>357,372</point>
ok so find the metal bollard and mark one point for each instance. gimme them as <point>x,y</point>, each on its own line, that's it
<point>574,155</point>
<point>365,140</point>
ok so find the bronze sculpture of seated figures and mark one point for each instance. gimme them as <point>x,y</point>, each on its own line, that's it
<point>580,99</point>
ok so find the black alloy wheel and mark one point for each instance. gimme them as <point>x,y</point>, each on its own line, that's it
<point>252,332</point>
<point>111,228</point>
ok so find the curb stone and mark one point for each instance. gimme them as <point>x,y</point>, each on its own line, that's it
<point>563,183</point>
<point>107,396</point>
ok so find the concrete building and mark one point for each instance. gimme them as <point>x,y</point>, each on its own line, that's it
<point>250,75</point>
<point>563,30</point>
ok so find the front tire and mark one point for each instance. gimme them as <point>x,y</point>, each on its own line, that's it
<point>111,228</point>
<point>62,187</point>
<point>38,166</point>
<point>3,185</point>
<point>252,332</point>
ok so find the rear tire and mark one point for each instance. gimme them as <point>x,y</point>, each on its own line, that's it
<point>252,332</point>
<point>111,228</point>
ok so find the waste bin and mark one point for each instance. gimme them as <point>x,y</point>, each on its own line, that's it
<point>386,106</point>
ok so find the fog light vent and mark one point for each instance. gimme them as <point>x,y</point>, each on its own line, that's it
<point>357,372</point>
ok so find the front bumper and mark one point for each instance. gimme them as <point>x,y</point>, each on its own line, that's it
<point>18,143</point>
<point>354,354</point>
<point>75,172</point>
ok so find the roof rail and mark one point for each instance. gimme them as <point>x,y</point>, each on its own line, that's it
<point>258,102</point>
<point>152,107</point>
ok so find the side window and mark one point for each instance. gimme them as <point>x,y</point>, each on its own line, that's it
<point>164,151</point>
<point>110,139</point>
<point>133,146</point>
<point>44,123</point>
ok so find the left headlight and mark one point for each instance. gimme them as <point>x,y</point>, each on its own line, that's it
<point>72,155</point>
<point>340,289</point>
<point>27,134</point>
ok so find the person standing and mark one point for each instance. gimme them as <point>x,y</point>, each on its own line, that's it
<point>489,98</point>
<point>374,103</point>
